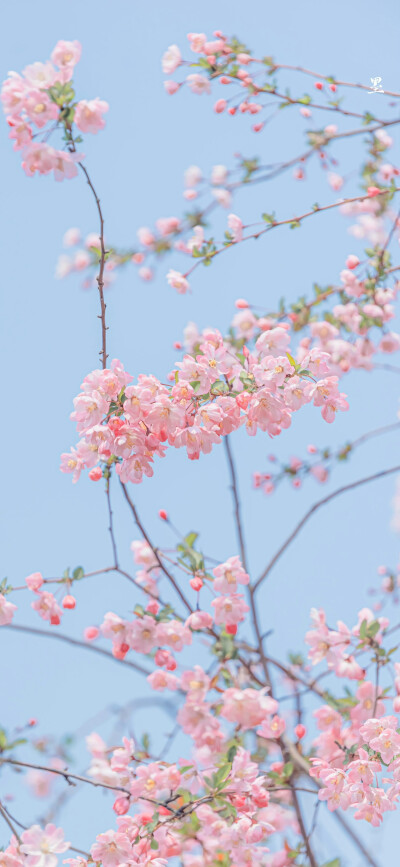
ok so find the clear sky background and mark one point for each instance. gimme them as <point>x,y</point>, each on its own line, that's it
<point>51,338</point>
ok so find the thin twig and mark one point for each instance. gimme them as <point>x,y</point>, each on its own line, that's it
<point>7,819</point>
<point>100,276</point>
<point>162,566</point>
<point>314,509</point>
<point>17,627</point>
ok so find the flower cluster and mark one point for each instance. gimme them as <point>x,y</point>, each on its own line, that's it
<point>41,100</point>
<point>214,392</point>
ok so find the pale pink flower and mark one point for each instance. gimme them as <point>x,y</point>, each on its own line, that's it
<point>235,227</point>
<point>199,620</point>
<point>171,60</point>
<point>46,605</point>
<point>112,848</point>
<point>6,610</point>
<point>72,237</point>
<point>66,55</point>
<point>89,115</point>
<point>192,176</point>
<point>198,83</point>
<point>40,75</point>
<point>197,42</point>
<point>34,581</point>
<point>177,281</point>
<point>41,846</point>
<point>219,175</point>
<point>229,574</point>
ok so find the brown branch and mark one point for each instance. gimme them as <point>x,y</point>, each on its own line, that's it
<point>314,509</point>
<point>162,566</point>
<point>316,210</point>
<point>7,819</point>
<point>110,524</point>
<point>330,79</point>
<point>100,276</point>
<point>235,495</point>
<point>16,627</point>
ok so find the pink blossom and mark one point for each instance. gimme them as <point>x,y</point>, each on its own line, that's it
<point>171,60</point>
<point>34,581</point>
<point>6,610</point>
<point>198,83</point>
<point>41,846</point>
<point>199,620</point>
<point>177,281</point>
<point>229,610</point>
<point>235,227</point>
<point>66,55</point>
<point>89,115</point>
<point>47,607</point>
<point>112,848</point>
<point>228,575</point>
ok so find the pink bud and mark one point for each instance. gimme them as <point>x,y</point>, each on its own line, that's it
<point>319,85</point>
<point>177,345</point>
<point>196,583</point>
<point>232,110</point>
<point>352,261</point>
<point>161,658</point>
<point>241,304</point>
<point>333,88</point>
<point>225,80</point>
<point>121,806</point>
<point>163,515</point>
<point>138,258</point>
<point>257,127</point>
<point>312,450</point>
<point>277,767</point>
<point>90,633</point>
<point>96,474</point>
<point>171,664</point>
<point>231,628</point>
<point>69,602</point>
<point>119,651</point>
<point>373,191</point>
<point>300,731</point>
<point>243,399</point>
<point>32,722</point>
<point>153,607</point>
<point>396,704</point>
<point>220,106</point>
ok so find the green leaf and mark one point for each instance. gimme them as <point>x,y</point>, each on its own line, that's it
<point>78,573</point>
<point>190,539</point>
<point>292,360</point>
<point>288,769</point>
<point>16,743</point>
<point>373,629</point>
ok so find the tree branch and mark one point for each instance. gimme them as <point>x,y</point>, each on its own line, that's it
<point>314,509</point>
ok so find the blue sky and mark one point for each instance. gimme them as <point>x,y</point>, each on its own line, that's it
<point>50,340</point>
